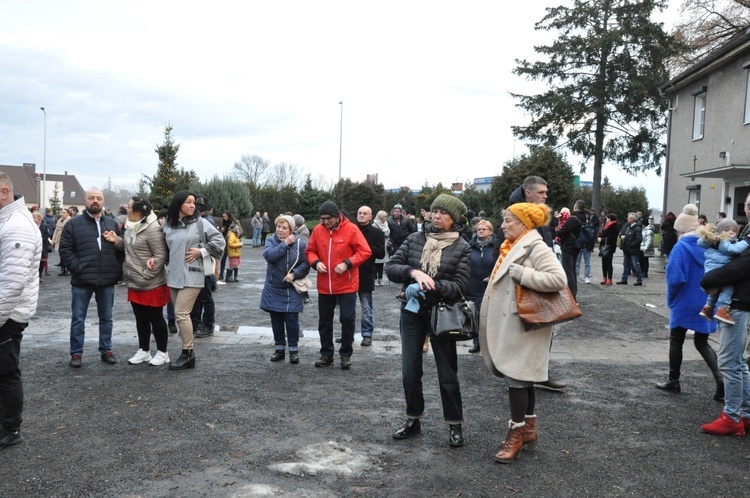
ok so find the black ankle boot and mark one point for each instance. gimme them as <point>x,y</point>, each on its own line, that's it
<point>278,355</point>
<point>719,396</point>
<point>672,385</point>
<point>185,360</point>
<point>456,436</point>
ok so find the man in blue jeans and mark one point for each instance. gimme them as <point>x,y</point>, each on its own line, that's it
<point>376,240</point>
<point>96,266</point>
<point>630,243</point>
<point>20,253</point>
<point>734,419</point>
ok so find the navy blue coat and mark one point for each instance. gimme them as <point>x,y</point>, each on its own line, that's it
<point>482,263</point>
<point>279,296</point>
<point>80,253</point>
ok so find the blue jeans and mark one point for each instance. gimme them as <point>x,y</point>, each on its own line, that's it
<point>256,237</point>
<point>631,261</point>
<point>105,299</point>
<point>733,366</point>
<point>291,322</point>
<point>723,298</point>
<point>367,325</point>
<point>586,255</point>
<point>414,329</point>
<point>347,316</point>
<point>204,307</point>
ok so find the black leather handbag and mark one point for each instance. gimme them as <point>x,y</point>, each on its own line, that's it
<point>458,321</point>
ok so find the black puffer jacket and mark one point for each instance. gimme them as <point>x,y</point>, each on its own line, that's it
<point>631,244</point>
<point>737,273</point>
<point>376,240</point>
<point>568,233</point>
<point>452,278</point>
<point>80,253</point>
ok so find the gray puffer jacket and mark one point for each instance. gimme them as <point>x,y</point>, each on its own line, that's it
<point>452,278</point>
<point>144,240</point>
<point>190,232</point>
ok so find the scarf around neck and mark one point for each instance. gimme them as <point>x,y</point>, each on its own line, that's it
<point>433,250</point>
<point>133,228</point>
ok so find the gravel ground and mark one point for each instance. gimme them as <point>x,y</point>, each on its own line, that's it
<point>238,425</point>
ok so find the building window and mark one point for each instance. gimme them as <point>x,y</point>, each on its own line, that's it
<point>699,115</point>
<point>72,194</point>
<point>694,195</point>
<point>747,99</point>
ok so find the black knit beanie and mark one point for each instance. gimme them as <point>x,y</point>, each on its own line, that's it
<point>329,208</point>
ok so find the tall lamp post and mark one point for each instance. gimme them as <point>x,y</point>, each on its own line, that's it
<point>341,135</point>
<point>43,200</point>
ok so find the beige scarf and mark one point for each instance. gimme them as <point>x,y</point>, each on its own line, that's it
<point>433,250</point>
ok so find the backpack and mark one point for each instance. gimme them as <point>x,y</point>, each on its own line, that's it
<point>585,236</point>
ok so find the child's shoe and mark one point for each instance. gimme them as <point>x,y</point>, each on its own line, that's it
<point>708,313</point>
<point>722,314</point>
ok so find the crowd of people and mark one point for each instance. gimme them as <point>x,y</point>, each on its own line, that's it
<point>175,258</point>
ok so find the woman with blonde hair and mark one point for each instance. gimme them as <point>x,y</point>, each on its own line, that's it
<point>381,221</point>
<point>510,351</point>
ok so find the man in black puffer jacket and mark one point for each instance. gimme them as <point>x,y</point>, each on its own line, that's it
<point>96,267</point>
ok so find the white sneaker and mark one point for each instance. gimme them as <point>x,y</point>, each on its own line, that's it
<point>587,280</point>
<point>221,282</point>
<point>140,357</point>
<point>159,359</point>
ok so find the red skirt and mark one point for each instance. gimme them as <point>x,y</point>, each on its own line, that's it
<point>155,298</point>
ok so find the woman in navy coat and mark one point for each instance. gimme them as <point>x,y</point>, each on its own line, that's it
<point>285,254</point>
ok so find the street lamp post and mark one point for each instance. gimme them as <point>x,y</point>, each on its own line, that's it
<point>43,200</point>
<point>341,135</point>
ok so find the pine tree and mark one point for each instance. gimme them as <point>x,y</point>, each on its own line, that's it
<point>165,182</point>
<point>55,203</point>
<point>602,73</point>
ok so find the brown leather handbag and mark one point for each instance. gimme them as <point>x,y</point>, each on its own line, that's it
<point>544,309</point>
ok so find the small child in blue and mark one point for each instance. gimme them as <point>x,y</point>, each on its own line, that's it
<point>721,246</point>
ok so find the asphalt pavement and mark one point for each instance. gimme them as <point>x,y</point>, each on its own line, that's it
<point>239,425</point>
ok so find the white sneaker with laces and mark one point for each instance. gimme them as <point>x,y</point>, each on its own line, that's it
<point>587,280</point>
<point>140,357</point>
<point>221,282</point>
<point>159,359</point>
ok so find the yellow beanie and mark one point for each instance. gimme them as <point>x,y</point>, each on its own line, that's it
<point>531,215</point>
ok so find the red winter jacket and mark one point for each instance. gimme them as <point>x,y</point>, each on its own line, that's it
<point>344,243</point>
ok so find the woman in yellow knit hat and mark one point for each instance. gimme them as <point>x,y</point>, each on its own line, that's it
<point>522,357</point>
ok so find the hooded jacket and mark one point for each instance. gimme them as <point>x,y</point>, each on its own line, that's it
<point>81,254</point>
<point>685,297</point>
<point>736,273</point>
<point>142,241</point>
<point>343,243</point>
<point>20,253</point>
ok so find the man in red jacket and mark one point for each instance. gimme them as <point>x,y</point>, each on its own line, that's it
<point>336,249</point>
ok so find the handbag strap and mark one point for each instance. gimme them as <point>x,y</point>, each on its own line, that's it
<point>296,259</point>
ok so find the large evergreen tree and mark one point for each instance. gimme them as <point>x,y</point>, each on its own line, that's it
<point>602,73</point>
<point>168,179</point>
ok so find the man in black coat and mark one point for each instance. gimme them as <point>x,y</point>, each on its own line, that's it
<point>376,240</point>
<point>400,226</point>
<point>96,266</point>
<point>630,243</point>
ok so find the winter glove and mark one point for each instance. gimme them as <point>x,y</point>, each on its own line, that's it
<point>413,294</point>
<point>516,272</point>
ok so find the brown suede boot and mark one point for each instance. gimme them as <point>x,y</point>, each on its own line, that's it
<point>529,435</point>
<point>513,443</point>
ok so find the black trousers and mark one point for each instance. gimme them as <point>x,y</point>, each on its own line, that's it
<point>11,386</point>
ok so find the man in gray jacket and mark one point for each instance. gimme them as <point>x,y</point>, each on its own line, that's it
<point>96,267</point>
<point>20,252</point>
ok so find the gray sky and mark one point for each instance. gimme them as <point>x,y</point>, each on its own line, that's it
<point>425,87</point>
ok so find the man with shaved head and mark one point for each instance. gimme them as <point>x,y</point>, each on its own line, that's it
<point>20,252</point>
<point>96,266</point>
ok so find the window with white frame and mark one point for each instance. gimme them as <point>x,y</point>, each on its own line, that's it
<point>747,98</point>
<point>699,114</point>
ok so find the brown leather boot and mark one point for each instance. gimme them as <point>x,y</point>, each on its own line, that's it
<point>529,435</point>
<point>513,443</point>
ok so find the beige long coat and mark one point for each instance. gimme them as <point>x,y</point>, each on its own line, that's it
<point>506,348</point>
